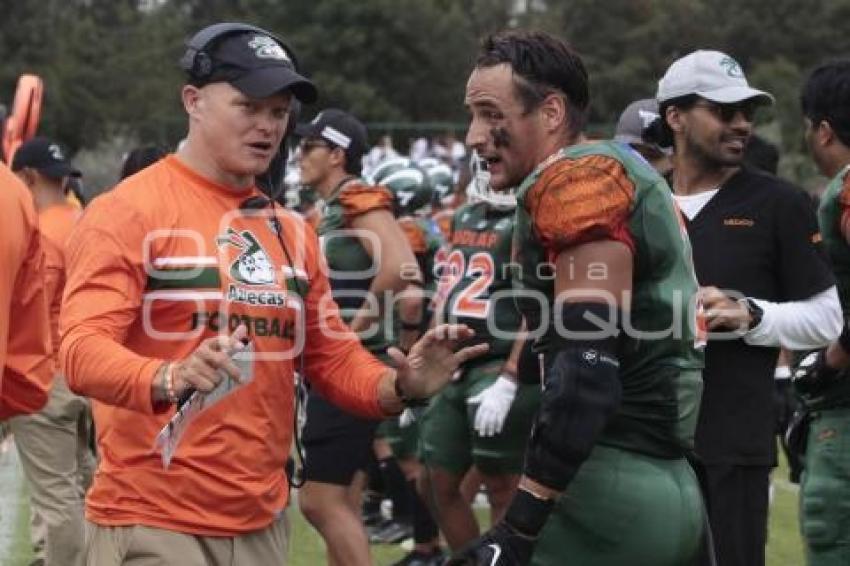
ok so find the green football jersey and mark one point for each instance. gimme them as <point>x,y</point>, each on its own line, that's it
<point>834,202</point>
<point>425,241</point>
<point>475,284</point>
<point>605,190</point>
<point>351,268</point>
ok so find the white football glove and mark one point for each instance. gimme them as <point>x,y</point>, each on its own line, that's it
<point>406,418</point>
<point>494,404</point>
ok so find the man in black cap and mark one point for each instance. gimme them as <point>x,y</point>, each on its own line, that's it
<point>367,253</point>
<point>45,157</point>
<point>186,279</point>
<point>54,443</point>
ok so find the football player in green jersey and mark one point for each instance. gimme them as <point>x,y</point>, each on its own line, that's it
<point>823,378</point>
<point>605,282</point>
<point>365,251</point>
<point>412,194</point>
<point>483,418</point>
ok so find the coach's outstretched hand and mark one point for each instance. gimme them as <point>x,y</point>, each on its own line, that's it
<point>433,359</point>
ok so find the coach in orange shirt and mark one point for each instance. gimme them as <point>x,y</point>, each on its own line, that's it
<point>54,443</point>
<point>25,348</point>
<point>167,275</point>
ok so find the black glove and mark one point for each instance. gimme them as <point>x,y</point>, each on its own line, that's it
<point>796,441</point>
<point>500,546</point>
<point>811,374</point>
<point>511,541</point>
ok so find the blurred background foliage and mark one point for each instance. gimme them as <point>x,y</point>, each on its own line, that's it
<point>111,75</point>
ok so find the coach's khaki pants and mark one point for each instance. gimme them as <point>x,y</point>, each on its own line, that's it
<point>55,455</point>
<point>138,545</point>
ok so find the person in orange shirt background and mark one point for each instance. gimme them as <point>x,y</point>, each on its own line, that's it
<point>169,274</point>
<point>54,443</point>
<point>25,347</point>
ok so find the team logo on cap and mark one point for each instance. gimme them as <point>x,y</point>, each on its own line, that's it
<point>266,48</point>
<point>733,69</point>
<point>56,152</point>
<point>647,117</point>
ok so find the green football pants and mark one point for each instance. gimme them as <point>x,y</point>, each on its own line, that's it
<point>825,490</point>
<point>625,509</point>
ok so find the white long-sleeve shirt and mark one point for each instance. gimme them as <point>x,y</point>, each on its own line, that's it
<point>799,325</point>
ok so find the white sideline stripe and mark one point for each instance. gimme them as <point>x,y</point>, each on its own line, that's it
<point>185,260</point>
<point>184,295</point>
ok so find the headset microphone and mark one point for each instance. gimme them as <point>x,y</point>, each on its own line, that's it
<point>260,202</point>
<point>256,202</point>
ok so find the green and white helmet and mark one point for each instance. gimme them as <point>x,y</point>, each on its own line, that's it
<point>412,191</point>
<point>385,168</point>
<point>479,189</point>
<point>442,179</point>
<point>428,162</point>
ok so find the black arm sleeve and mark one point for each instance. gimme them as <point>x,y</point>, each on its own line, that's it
<point>581,391</point>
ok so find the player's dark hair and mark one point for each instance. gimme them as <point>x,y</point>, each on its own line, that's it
<point>660,132</point>
<point>353,162</point>
<point>826,97</point>
<point>139,158</point>
<point>542,64</point>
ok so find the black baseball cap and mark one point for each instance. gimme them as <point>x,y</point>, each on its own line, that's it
<point>258,66</point>
<point>340,129</point>
<point>44,156</point>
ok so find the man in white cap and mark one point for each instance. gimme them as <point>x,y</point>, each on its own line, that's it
<point>764,284</point>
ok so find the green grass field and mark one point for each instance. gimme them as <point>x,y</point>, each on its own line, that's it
<point>307,549</point>
<point>784,546</point>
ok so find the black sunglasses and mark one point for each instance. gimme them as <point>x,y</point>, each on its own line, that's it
<point>727,112</point>
<point>308,146</point>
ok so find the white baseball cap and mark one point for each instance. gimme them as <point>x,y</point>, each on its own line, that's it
<point>712,75</point>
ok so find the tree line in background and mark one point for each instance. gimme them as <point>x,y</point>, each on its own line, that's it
<point>110,66</point>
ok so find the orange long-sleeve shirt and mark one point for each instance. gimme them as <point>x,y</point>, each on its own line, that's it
<point>154,267</point>
<point>56,223</point>
<point>25,348</point>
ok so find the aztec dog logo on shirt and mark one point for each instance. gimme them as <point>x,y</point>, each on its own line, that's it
<point>252,266</point>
